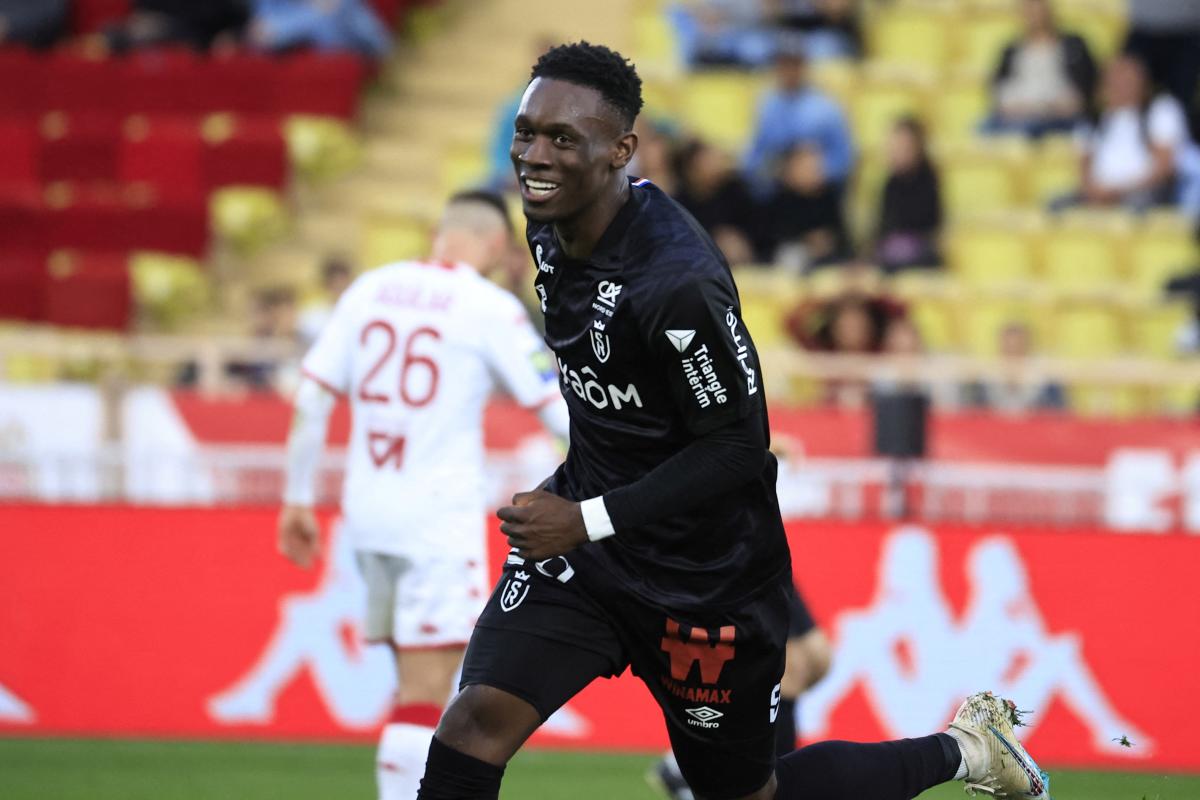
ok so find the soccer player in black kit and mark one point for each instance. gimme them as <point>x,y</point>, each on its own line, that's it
<point>658,544</point>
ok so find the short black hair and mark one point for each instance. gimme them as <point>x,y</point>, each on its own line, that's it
<point>488,198</point>
<point>599,68</point>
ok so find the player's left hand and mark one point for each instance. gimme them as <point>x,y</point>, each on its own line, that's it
<point>542,525</point>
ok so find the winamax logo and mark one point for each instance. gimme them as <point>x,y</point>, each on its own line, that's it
<point>916,661</point>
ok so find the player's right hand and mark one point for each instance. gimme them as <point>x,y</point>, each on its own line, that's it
<point>299,535</point>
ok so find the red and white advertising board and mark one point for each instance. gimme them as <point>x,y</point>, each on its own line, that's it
<point>128,621</point>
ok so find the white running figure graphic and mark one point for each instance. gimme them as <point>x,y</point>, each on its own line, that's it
<point>355,685</point>
<point>13,709</point>
<point>914,660</point>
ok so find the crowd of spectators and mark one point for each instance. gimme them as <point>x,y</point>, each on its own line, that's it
<point>270,26</point>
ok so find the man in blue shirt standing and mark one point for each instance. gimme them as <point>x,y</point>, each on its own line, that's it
<point>796,113</point>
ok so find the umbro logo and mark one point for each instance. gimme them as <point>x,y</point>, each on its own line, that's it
<point>681,340</point>
<point>704,717</point>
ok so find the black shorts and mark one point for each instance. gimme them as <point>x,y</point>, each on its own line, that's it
<point>715,676</point>
<point>800,618</point>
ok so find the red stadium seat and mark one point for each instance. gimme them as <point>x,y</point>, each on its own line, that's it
<point>319,83</point>
<point>79,147</point>
<point>21,151</point>
<point>23,78</point>
<point>245,83</point>
<point>116,218</point>
<point>22,217</point>
<point>165,153</point>
<point>76,83</point>
<point>22,288</point>
<point>88,290</point>
<point>251,152</point>
<point>89,16</point>
<point>168,81</point>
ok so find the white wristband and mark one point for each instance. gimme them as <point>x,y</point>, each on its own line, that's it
<point>595,519</point>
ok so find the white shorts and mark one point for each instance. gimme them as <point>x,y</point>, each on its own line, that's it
<point>422,603</point>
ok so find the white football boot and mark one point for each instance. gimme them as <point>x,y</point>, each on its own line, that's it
<point>997,764</point>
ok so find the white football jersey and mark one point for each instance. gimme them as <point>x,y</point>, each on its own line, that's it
<point>418,347</point>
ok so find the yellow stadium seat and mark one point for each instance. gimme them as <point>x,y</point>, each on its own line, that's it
<point>959,110</point>
<point>719,106</point>
<point>877,106</point>
<point>764,318</point>
<point>911,36</point>
<point>981,322</point>
<point>981,40</point>
<point>1103,30</point>
<point>388,240</point>
<point>1154,330</point>
<point>1080,260</point>
<point>934,318</point>
<point>978,186</point>
<point>1089,331</point>
<point>654,38</point>
<point>992,257</point>
<point>1156,258</point>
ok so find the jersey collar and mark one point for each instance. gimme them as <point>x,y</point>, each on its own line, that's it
<point>610,251</point>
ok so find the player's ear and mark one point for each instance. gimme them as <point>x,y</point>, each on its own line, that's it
<point>623,150</point>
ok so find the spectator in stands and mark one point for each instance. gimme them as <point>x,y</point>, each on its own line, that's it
<point>802,222</point>
<point>349,25</point>
<point>274,317</point>
<point>830,28</point>
<point>200,25</point>
<point>1020,389</point>
<point>1045,80</point>
<point>33,23</point>
<point>721,33</point>
<point>336,277</point>
<point>852,324</point>
<point>1130,156</point>
<point>910,207</point>
<point>796,113</point>
<point>711,189</point>
<point>1165,36</point>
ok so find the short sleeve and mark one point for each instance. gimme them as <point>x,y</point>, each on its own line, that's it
<point>698,337</point>
<point>329,360</point>
<point>1167,125</point>
<point>517,356</point>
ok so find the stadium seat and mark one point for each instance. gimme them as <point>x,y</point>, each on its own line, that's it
<point>79,147</point>
<point>20,154</point>
<point>22,290</point>
<point>981,38</point>
<point>981,322</point>
<point>243,151</point>
<point>719,106</point>
<point>654,39</point>
<point>1053,173</point>
<point>243,83</point>
<point>935,320</point>
<point>1103,30</point>
<point>1155,258</point>
<point>88,290</point>
<point>876,107</point>
<point>168,81</point>
<point>959,109</point>
<point>165,154</point>
<point>81,84</point>
<point>992,256</point>
<point>1087,331</point>
<point>1080,260</point>
<point>388,240</point>
<point>972,186</point>
<point>319,83</point>
<point>911,36</point>
<point>1154,330</point>
<point>23,76</point>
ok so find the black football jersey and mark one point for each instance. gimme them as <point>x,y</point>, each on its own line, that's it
<point>651,354</point>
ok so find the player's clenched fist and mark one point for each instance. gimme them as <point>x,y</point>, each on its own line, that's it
<point>299,535</point>
<point>542,525</point>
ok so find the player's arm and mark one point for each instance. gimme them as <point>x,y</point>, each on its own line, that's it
<point>298,529</point>
<point>729,446</point>
<point>326,372</point>
<point>520,363</point>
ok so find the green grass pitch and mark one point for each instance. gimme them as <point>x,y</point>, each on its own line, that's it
<point>58,769</point>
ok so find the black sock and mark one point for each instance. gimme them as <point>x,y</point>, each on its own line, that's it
<point>451,775</point>
<point>785,727</point>
<point>898,770</point>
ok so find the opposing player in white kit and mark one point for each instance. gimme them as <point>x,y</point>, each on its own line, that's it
<point>418,347</point>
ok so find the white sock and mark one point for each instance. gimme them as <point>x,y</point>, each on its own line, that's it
<point>400,763</point>
<point>961,772</point>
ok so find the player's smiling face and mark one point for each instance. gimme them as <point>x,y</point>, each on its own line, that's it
<point>567,148</point>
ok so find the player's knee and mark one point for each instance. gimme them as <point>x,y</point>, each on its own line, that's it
<point>487,723</point>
